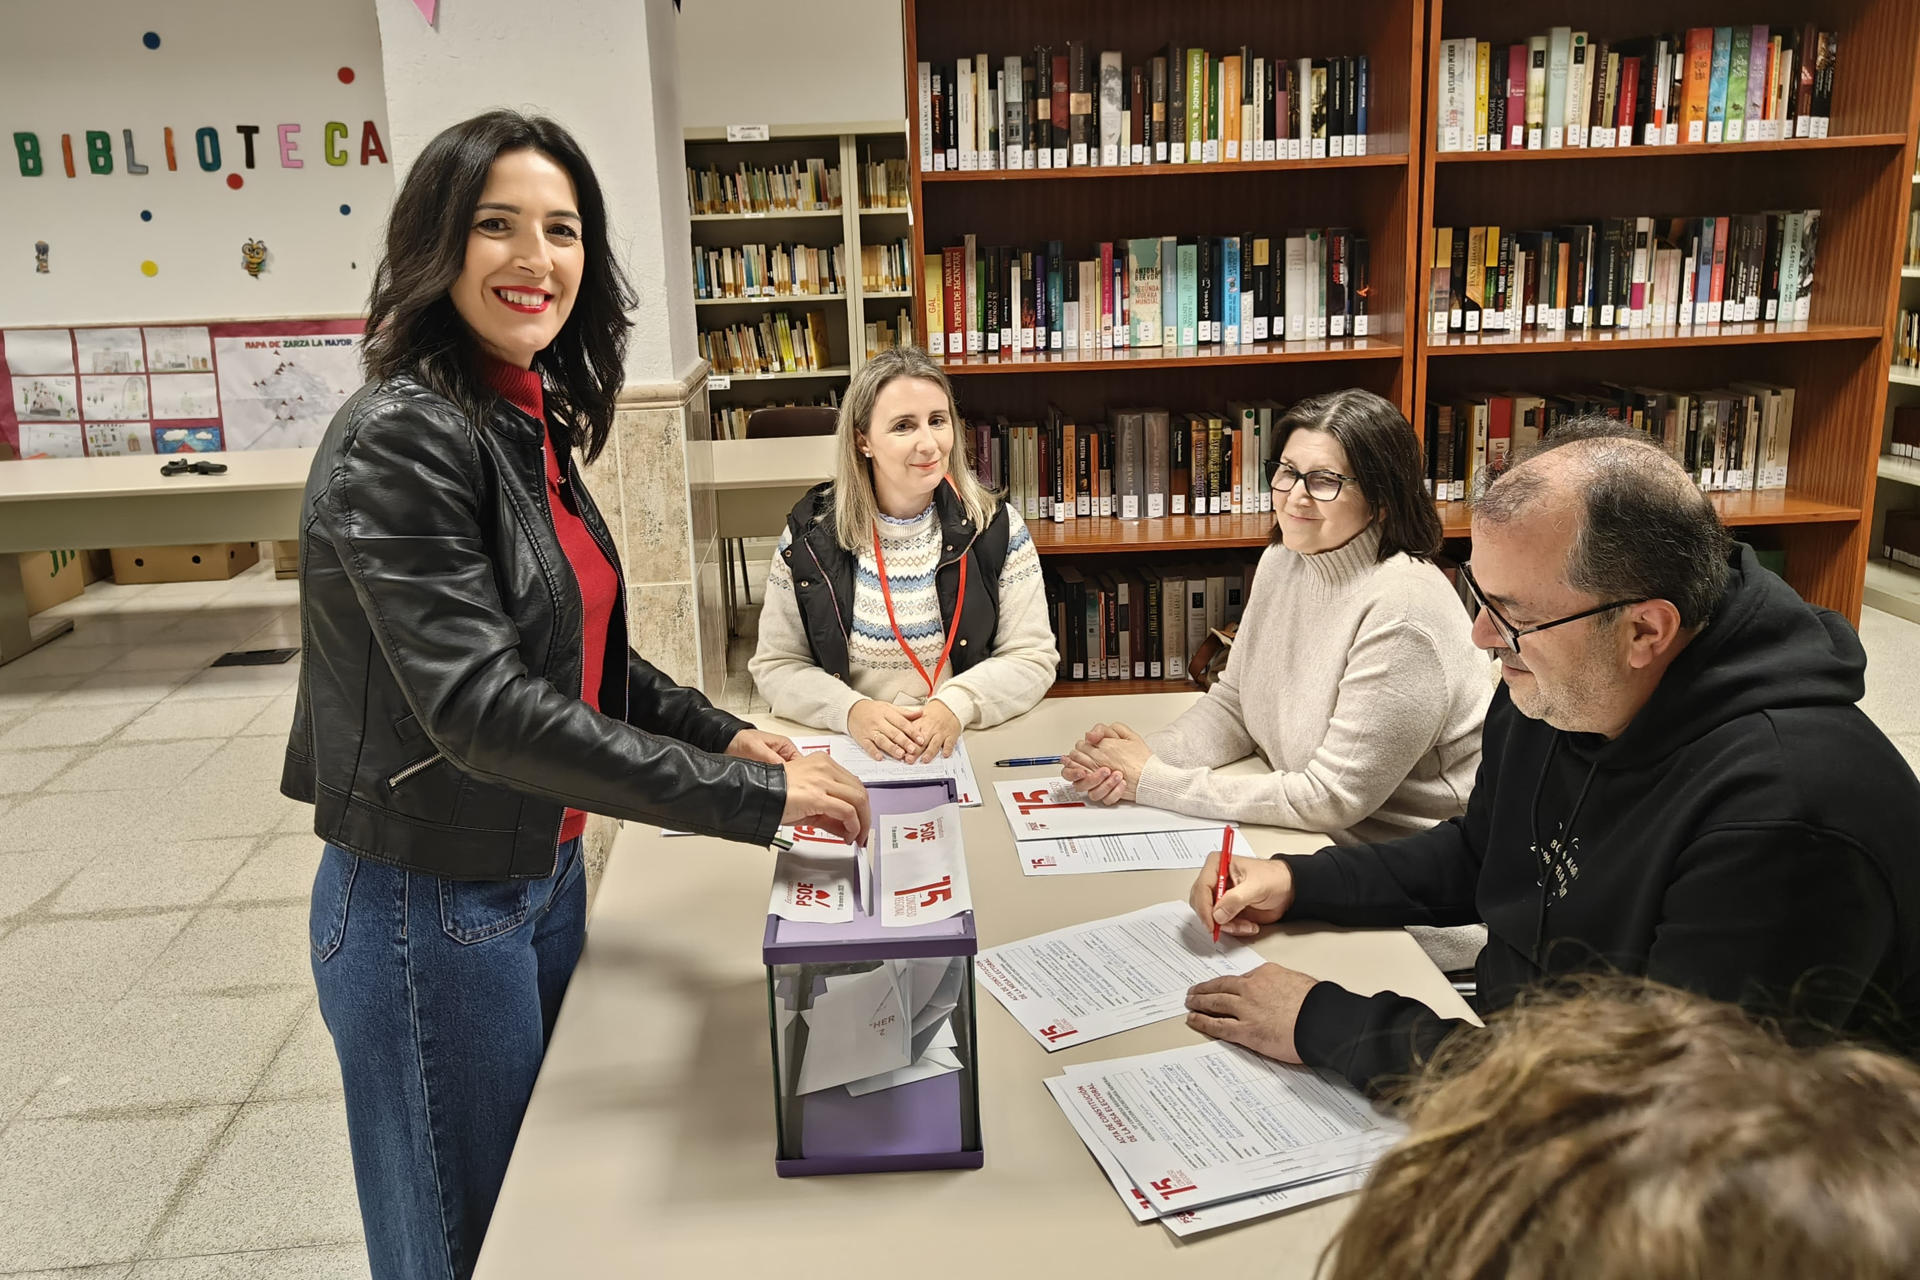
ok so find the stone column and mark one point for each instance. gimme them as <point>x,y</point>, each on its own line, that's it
<point>606,69</point>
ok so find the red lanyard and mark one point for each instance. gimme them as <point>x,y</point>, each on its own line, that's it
<point>886,593</point>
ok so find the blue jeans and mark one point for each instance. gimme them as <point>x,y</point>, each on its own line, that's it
<point>440,996</point>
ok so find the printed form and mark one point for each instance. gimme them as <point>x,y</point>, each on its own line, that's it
<point>1095,979</point>
<point>1146,851</point>
<point>1212,1123</point>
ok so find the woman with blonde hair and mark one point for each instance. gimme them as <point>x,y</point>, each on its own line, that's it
<point>904,603</point>
<point>1629,1131</point>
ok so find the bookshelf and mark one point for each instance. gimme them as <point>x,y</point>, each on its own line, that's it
<point>1891,586</point>
<point>1859,176</point>
<point>1376,194</point>
<point>843,146</point>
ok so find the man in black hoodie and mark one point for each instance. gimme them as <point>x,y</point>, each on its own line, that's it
<point>1675,782</point>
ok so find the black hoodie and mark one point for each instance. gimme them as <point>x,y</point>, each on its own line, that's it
<point>1751,836</point>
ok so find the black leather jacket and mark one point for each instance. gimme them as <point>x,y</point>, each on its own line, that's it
<point>440,624</point>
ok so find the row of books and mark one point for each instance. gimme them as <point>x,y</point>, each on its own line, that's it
<point>883,182</point>
<point>1079,108</point>
<point>729,421</point>
<point>1905,441</point>
<point>1912,258</point>
<point>1143,624</point>
<point>881,335</point>
<point>779,342</point>
<point>1708,85</point>
<point>1729,439</point>
<point>1624,273</point>
<point>767,271</point>
<point>1906,340</point>
<point>1900,537</point>
<point>797,187</point>
<point>1151,292</point>
<point>1131,464</point>
<point>887,268</point>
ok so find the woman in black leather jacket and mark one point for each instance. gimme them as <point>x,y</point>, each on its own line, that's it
<point>468,693</point>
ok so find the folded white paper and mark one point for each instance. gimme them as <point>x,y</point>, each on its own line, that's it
<point>923,868</point>
<point>1092,980</point>
<point>1049,808</point>
<point>857,1027</point>
<point>815,883</point>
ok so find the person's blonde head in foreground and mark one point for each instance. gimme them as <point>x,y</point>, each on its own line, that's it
<point>1633,1132</point>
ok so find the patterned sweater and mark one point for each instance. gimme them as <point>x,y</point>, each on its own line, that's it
<point>1009,682</point>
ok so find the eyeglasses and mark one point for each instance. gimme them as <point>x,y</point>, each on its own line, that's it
<point>1322,486</point>
<point>1511,633</point>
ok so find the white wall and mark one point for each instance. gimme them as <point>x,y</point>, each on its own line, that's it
<point>70,68</point>
<point>591,65</point>
<point>778,62</point>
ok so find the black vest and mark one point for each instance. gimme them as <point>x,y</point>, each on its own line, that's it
<point>823,576</point>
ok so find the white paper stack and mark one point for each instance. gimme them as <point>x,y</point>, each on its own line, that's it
<point>886,1026</point>
<point>1209,1135</point>
<point>846,753</point>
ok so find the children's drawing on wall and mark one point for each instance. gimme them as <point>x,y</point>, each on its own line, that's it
<point>114,439</point>
<point>253,256</point>
<point>114,396</point>
<point>110,351</point>
<point>185,349</point>
<point>185,395</point>
<point>31,351</point>
<point>40,257</point>
<point>187,440</point>
<point>51,440</point>
<point>280,392</point>
<point>44,399</point>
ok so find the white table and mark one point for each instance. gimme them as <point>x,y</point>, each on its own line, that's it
<point>648,1146</point>
<point>57,503</point>
<point>756,483</point>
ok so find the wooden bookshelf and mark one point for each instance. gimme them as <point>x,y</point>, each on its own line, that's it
<point>843,146</point>
<point>1376,194</point>
<point>1891,586</point>
<point>1860,179</point>
<point>1103,688</point>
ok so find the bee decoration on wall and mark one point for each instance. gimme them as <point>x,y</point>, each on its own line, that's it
<point>40,256</point>
<point>253,256</point>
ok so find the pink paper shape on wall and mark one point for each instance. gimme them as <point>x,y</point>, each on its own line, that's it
<point>427,8</point>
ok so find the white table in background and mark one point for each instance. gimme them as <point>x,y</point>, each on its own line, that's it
<point>57,503</point>
<point>648,1147</point>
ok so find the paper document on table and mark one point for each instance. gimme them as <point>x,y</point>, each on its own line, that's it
<point>856,1028</point>
<point>1092,980</point>
<point>847,754</point>
<point>1142,851</point>
<point>923,867</point>
<point>1194,1221</point>
<point>1049,809</point>
<point>1210,1123</point>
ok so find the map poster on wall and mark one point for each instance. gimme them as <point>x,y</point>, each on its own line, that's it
<point>280,391</point>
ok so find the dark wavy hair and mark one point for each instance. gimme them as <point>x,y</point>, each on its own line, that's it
<point>412,327</point>
<point>1385,456</point>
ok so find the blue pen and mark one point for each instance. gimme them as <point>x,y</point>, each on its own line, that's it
<point>1023,761</point>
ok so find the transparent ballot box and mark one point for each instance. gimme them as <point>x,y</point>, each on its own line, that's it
<point>870,1003</point>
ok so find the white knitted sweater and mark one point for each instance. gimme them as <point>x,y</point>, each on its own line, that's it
<point>1356,682</point>
<point>1002,686</point>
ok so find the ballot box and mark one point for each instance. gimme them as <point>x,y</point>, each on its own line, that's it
<point>870,993</point>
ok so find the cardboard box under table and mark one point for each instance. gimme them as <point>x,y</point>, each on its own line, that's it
<point>929,1120</point>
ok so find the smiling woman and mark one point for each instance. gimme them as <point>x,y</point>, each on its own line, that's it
<point>469,693</point>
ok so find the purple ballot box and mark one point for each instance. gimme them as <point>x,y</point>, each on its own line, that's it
<point>872,1024</point>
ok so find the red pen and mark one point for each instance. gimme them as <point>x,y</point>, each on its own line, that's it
<point>1223,881</point>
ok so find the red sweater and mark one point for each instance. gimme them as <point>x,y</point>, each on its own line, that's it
<point>599,585</point>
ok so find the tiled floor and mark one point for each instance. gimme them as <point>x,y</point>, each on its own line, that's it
<point>169,1102</point>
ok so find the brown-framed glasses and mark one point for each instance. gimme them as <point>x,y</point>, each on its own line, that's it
<point>1510,633</point>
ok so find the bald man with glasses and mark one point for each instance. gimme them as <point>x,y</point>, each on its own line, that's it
<point>1675,782</point>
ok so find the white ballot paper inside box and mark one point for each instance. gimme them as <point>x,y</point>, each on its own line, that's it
<point>922,867</point>
<point>1212,1123</point>
<point>846,753</point>
<point>1092,980</point>
<point>857,1027</point>
<point>1050,809</point>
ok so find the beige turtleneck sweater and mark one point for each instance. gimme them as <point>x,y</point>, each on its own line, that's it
<point>1357,683</point>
